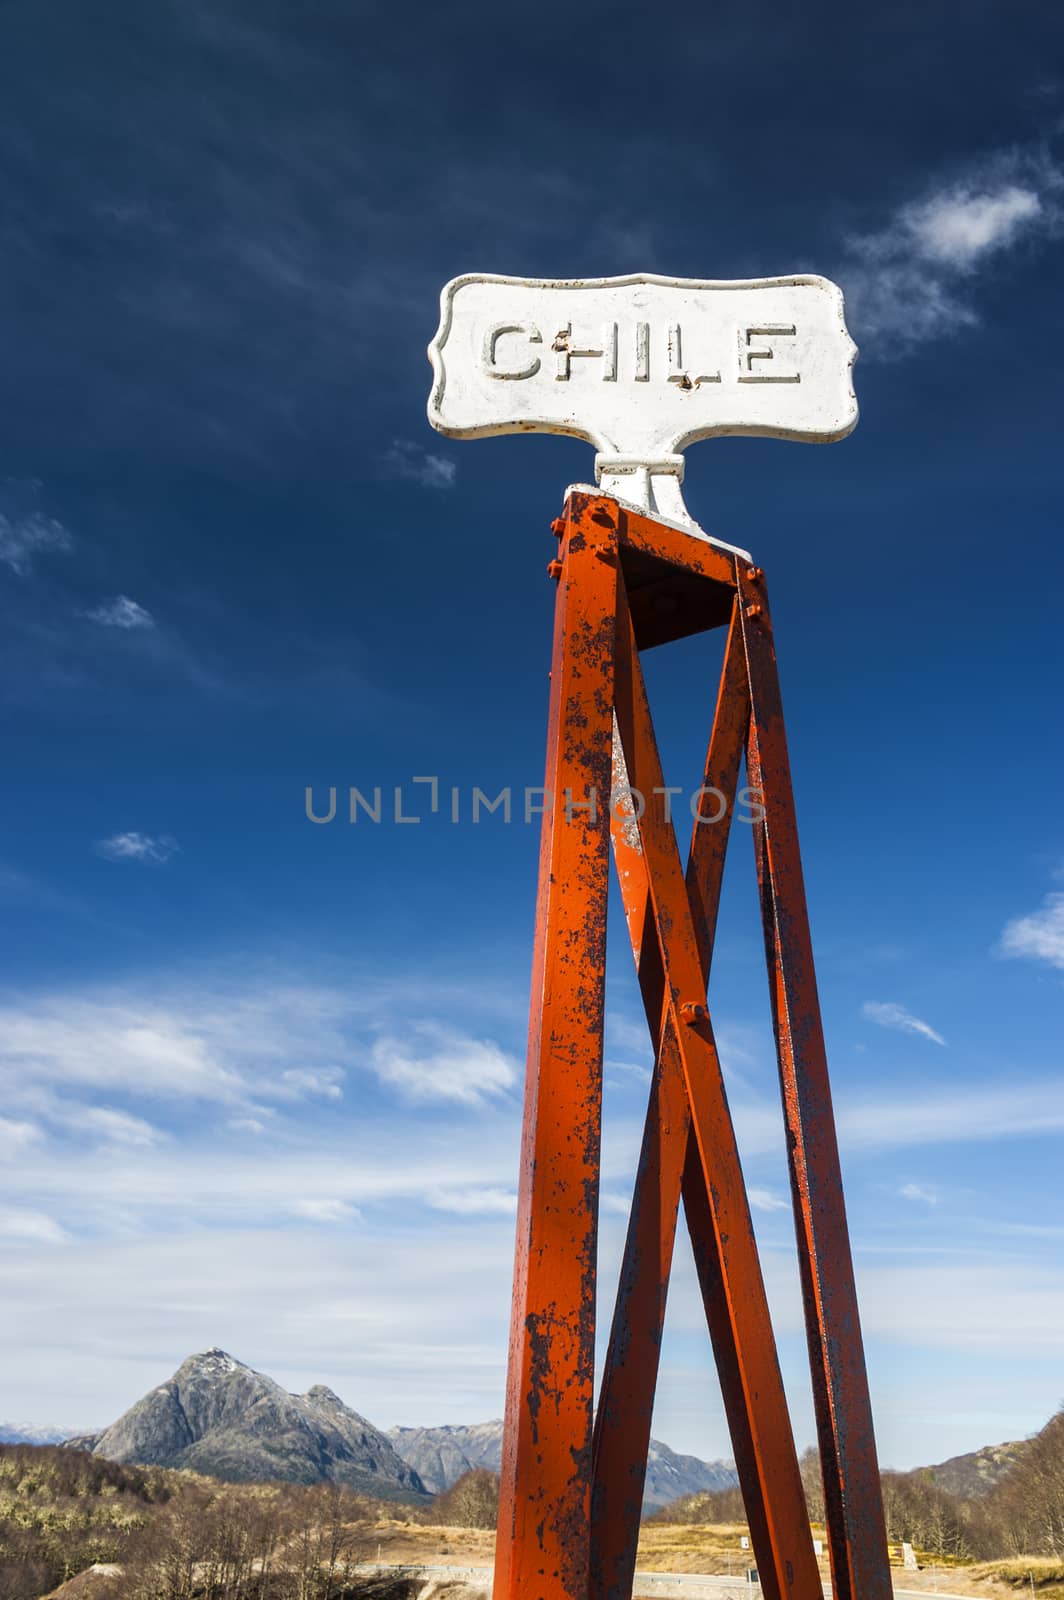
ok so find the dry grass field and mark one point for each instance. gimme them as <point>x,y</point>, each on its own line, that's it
<point>716,1548</point>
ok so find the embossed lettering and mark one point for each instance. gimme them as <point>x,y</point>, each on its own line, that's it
<point>491,345</point>
<point>748,354</point>
<point>677,372</point>
<point>564,350</point>
<point>642,352</point>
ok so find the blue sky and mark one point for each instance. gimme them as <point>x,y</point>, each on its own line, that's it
<point>261,1078</point>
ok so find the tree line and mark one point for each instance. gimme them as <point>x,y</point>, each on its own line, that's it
<point>174,1536</point>
<point>1021,1515</point>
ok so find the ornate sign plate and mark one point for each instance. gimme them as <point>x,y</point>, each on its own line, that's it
<point>642,366</point>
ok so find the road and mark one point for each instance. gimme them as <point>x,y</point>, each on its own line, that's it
<point>652,1585</point>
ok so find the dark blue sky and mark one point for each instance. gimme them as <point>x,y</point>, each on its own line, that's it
<point>262,1077</point>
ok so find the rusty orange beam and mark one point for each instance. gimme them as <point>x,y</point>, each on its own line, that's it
<point>542,1551</point>
<point>853,1501</point>
<point>788,1551</point>
<point>668,1163</point>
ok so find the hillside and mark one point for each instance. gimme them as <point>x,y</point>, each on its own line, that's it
<point>89,1529</point>
<point>979,1471</point>
<point>221,1418</point>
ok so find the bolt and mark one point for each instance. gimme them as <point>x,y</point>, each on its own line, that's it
<point>554,570</point>
<point>754,574</point>
<point>692,1011</point>
<point>557,527</point>
<point>753,611</point>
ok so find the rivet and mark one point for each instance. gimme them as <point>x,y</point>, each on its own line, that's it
<point>754,610</point>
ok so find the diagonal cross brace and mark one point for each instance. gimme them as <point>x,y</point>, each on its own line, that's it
<point>690,1102</point>
<point>668,1162</point>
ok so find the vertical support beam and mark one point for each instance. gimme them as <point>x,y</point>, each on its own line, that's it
<point>857,1537</point>
<point>787,1550</point>
<point>544,1505</point>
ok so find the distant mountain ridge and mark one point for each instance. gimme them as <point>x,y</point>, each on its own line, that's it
<point>222,1418</point>
<point>441,1455</point>
<point>31,1433</point>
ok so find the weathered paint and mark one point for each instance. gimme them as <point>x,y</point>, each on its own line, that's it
<point>544,1498</point>
<point>854,1506</point>
<point>789,1548</point>
<point>569,1508</point>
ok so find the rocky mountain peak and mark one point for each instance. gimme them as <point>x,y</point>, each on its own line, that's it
<point>320,1395</point>
<point>217,1416</point>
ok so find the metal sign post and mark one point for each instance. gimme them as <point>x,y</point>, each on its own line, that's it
<point>643,366</point>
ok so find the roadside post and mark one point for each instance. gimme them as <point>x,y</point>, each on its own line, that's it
<point>642,367</point>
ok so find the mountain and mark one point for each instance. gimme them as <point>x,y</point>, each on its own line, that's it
<point>222,1418</point>
<point>978,1472</point>
<point>441,1455</point>
<point>670,1475</point>
<point>31,1433</point>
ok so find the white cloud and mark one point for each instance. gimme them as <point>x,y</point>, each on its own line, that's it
<point>445,1066</point>
<point>952,1116</point>
<point>911,1119</point>
<point>889,1015</point>
<point>473,1202</point>
<point>137,847</point>
<point>254,1045</point>
<point>29,1227</point>
<point>15,1136</point>
<point>325,1210</point>
<point>324,1081</point>
<point>906,282</point>
<point>766,1200</point>
<point>1039,936</point>
<point>24,538</point>
<point>407,460</point>
<point>117,1127</point>
<point>129,1046</point>
<point>121,612</point>
<point>922,1193</point>
<point>960,226</point>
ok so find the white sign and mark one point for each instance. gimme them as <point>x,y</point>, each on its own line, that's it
<point>642,366</point>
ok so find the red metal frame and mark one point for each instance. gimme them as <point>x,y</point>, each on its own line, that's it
<point>572,1480</point>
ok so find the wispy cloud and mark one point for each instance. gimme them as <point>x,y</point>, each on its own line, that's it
<point>121,612</point>
<point>954,1116</point>
<point>323,1081</point>
<point>1038,936</point>
<point>254,1044</point>
<point>150,850</point>
<point>439,1065</point>
<point>766,1200</point>
<point>404,459</point>
<point>115,1127</point>
<point>325,1210</point>
<point>25,538</point>
<point>473,1201</point>
<point>16,1135</point>
<point>29,1227</point>
<point>911,279</point>
<point>921,1193</point>
<point>888,1015</point>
